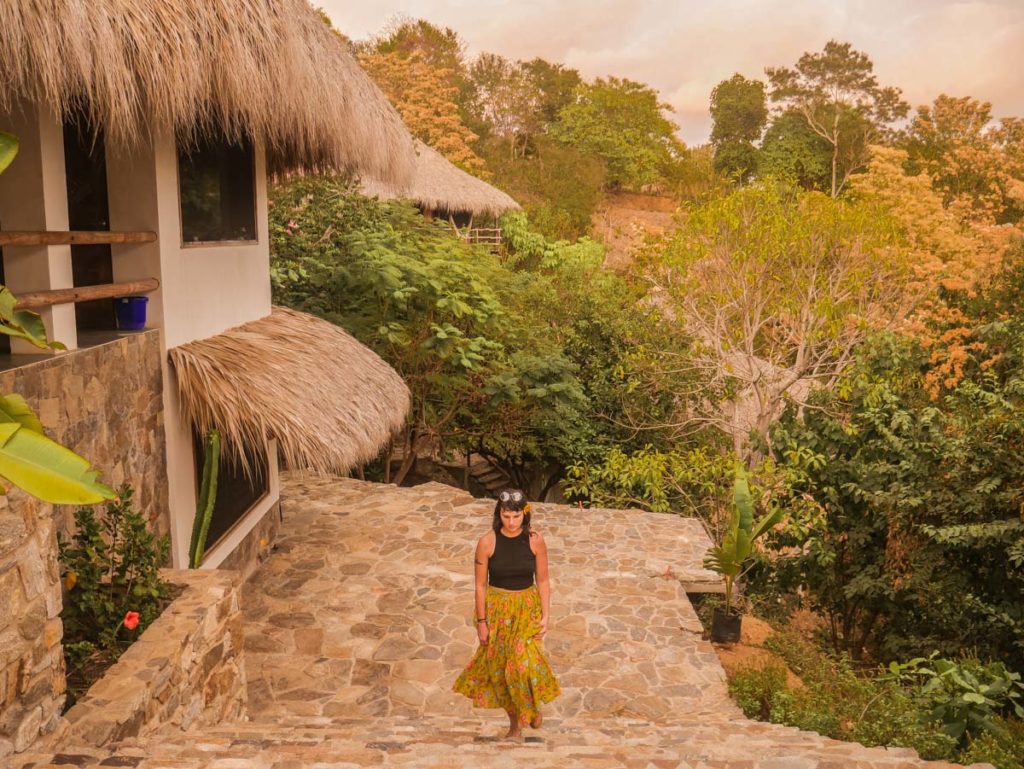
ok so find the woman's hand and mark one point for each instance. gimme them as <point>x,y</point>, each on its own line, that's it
<point>482,632</point>
<point>543,626</point>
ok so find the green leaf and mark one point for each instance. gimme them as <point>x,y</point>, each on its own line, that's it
<point>14,408</point>
<point>8,149</point>
<point>47,470</point>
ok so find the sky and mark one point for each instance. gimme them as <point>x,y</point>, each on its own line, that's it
<point>683,48</point>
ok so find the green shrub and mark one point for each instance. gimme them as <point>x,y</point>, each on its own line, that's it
<point>1003,748</point>
<point>839,702</point>
<point>965,696</point>
<point>756,690</point>
<point>111,574</point>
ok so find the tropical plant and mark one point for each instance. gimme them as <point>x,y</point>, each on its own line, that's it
<point>965,696</point>
<point>8,149</point>
<point>207,500</point>
<point>111,577</point>
<point>731,556</point>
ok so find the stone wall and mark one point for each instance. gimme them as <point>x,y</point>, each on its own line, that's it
<point>105,402</point>
<point>186,669</point>
<point>256,546</point>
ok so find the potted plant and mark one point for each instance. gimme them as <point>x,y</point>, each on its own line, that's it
<point>730,557</point>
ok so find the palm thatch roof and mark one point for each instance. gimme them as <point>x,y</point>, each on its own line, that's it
<point>330,402</point>
<point>271,69</point>
<point>438,185</point>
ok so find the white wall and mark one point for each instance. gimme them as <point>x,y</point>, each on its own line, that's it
<point>204,290</point>
<point>34,196</point>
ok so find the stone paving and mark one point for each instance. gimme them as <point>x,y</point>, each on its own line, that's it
<point>360,621</point>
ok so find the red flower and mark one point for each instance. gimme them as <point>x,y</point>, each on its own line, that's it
<point>131,620</point>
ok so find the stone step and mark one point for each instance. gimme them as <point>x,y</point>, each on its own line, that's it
<point>474,742</point>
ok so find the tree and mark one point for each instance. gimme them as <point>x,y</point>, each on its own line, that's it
<point>555,84</point>
<point>426,100</point>
<point>505,99</point>
<point>842,102</point>
<point>951,259</point>
<point>978,168</point>
<point>739,111</point>
<point>461,328</point>
<point>776,287</point>
<point>792,152</point>
<point>622,123</point>
<point>440,48</point>
<point>558,187</point>
<point>906,532</point>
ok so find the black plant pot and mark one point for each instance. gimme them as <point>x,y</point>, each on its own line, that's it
<point>725,627</point>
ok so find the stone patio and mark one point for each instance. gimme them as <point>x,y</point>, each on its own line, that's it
<point>357,625</point>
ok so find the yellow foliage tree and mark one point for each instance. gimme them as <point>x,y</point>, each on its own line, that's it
<point>977,168</point>
<point>950,252</point>
<point>425,97</point>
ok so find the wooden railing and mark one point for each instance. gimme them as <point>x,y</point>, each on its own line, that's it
<point>33,300</point>
<point>73,237</point>
<point>488,236</point>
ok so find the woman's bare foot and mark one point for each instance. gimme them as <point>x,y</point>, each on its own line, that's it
<point>514,727</point>
<point>536,721</point>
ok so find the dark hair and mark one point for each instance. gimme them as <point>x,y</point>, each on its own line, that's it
<point>513,500</point>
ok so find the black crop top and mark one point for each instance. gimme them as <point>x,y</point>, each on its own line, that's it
<point>513,563</point>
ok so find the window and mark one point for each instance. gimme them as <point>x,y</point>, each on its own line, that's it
<point>237,491</point>
<point>217,184</point>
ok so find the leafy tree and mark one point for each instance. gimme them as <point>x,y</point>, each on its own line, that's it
<point>463,329</point>
<point>839,97</point>
<point>427,101</point>
<point>739,112</point>
<point>979,169</point>
<point>951,258</point>
<point>913,540</point>
<point>505,99</point>
<point>438,47</point>
<point>622,123</point>
<point>792,152</point>
<point>558,187</point>
<point>776,287</point>
<point>555,85</point>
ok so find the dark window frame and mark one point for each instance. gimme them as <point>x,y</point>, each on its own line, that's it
<point>181,154</point>
<point>260,475</point>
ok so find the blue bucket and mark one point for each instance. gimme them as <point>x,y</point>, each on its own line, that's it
<point>131,312</point>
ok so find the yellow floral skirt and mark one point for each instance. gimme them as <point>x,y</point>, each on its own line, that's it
<point>510,672</point>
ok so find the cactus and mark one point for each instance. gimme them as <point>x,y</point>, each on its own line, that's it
<point>207,498</point>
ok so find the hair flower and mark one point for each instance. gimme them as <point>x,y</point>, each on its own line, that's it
<point>526,509</point>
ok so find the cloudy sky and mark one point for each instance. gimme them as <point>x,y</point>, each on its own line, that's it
<point>684,47</point>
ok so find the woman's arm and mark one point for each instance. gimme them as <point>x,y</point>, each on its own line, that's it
<point>540,550</point>
<point>483,554</point>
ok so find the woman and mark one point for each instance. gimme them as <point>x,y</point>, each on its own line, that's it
<point>513,598</point>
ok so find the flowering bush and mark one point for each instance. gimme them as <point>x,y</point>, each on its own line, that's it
<point>112,583</point>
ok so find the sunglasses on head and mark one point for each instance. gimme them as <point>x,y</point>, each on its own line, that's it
<point>511,496</point>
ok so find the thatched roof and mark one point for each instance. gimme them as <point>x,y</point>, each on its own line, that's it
<point>331,403</point>
<point>269,68</point>
<point>440,186</point>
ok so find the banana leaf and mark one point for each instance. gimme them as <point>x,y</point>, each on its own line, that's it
<point>47,470</point>
<point>14,408</point>
<point>8,149</point>
<point>23,324</point>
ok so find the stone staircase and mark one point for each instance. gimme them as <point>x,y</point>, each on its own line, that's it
<point>435,741</point>
<point>358,624</point>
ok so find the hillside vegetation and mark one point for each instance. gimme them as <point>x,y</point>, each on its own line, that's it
<point>831,292</point>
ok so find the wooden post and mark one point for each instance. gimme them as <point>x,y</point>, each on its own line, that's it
<point>36,299</point>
